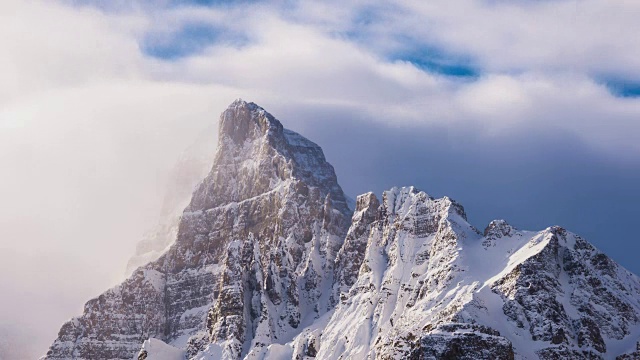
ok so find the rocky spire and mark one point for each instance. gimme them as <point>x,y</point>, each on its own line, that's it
<point>263,228</point>
<point>256,154</point>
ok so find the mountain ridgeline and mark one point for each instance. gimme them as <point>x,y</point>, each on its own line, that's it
<point>269,262</point>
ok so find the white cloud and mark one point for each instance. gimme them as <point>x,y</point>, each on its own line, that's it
<point>593,36</point>
<point>48,46</point>
<point>86,139</point>
<point>530,75</point>
<point>89,125</point>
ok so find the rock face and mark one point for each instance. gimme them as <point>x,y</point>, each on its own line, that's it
<point>267,264</point>
<point>351,254</point>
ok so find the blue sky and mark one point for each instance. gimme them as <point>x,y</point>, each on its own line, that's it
<point>522,110</point>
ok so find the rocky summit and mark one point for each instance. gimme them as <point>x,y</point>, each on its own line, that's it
<point>269,262</point>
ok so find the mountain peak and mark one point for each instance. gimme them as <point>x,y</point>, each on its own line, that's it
<point>257,155</point>
<point>499,228</point>
<point>366,201</point>
<point>246,120</point>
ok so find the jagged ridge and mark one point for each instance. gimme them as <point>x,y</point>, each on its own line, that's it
<point>264,267</point>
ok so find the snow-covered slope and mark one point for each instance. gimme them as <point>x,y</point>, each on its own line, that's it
<point>432,287</point>
<point>268,265</point>
<point>154,349</point>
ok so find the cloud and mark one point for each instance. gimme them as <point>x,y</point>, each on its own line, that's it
<point>49,46</point>
<point>285,59</point>
<point>85,172</point>
<point>573,104</point>
<point>96,103</point>
<point>591,36</point>
<point>86,141</point>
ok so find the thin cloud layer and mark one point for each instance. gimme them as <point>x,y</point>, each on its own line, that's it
<point>97,101</point>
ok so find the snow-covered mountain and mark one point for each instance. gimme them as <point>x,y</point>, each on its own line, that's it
<point>269,262</point>
<point>432,287</point>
